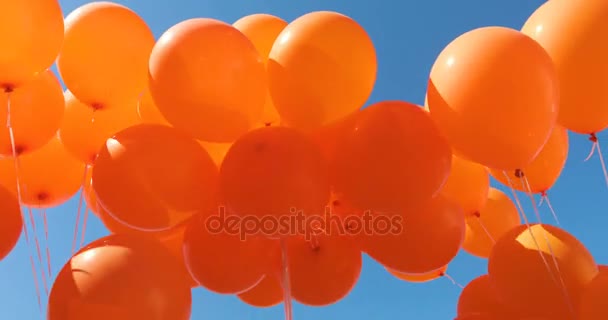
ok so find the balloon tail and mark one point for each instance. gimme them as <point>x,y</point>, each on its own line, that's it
<point>15,154</point>
<point>79,210</point>
<point>285,281</point>
<point>483,226</point>
<point>454,282</point>
<point>545,198</point>
<point>596,146</point>
<point>526,185</point>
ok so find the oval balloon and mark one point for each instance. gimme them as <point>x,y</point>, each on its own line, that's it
<point>267,293</point>
<point>153,177</point>
<point>36,110</point>
<point>322,269</point>
<point>121,277</point>
<point>523,272</point>
<point>424,239</point>
<point>573,34</point>
<point>471,86</point>
<point>489,224</point>
<point>12,222</point>
<point>48,177</point>
<point>374,167</point>
<point>84,131</point>
<point>222,102</point>
<point>104,58</point>
<point>467,185</point>
<point>287,172</point>
<point>421,277</point>
<point>321,68</point>
<point>263,29</point>
<point>544,170</point>
<point>32,32</point>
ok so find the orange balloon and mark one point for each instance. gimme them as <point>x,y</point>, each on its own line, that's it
<point>32,34</point>
<point>392,157</point>
<point>574,35</point>
<point>544,170</point>
<point>323,269</point>
<point>263,29</point>
<point>226,98</point>
<point>330,135</point>
<point>275,172</point>
<point>467,185</point>
<point>48,176</point>
<point>89,196</point>
<point>84,131</point>
<point>479,297</point>
<point>267,293</point>
<point>12,222</point>
<point>121,277</point>
<point>321,68</point>
<point>486,226</point>
<point>223,260</point>
<point>148,112</point>
<point>104,59</point>
<point>421,277</point>
<point>36,110</point>
<point>494,93</point>
<point>593,300</point>
<point>523,272</point>
<point>427,238</point>
<point>153,177</point>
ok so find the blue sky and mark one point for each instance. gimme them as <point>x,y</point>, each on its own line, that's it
<point>408,35</point>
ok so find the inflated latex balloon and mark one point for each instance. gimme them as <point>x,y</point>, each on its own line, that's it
<point>152,177</point>
<point>48,176</point>
<point>523,272</point>
<point>263,29</point>
<point>32,34</point>
<point>84,131</point>
<point>390,159</point>
<point>494,92</point>
<point>428,238</point>
<point>208,79</point>
<point>275,172</point>
<point>36,110</point>
<point>267,293</point>
<point>544,170</point>
<point>467,185</point>
<point>321,68</point>
<point>421,277</point>
<point>486,226</point>
<point>223,259</point>
<point>121,277</point>
<point>104,58</point>
<point>574,33</point>
<point>593,300</point>
<point>478,297</point>
<point>322,270</point>
<point>12,222</point>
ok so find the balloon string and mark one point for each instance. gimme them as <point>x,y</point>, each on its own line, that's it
<point>454,282</point>
<point>485,229</point>
<point>79,210</point>
<point>286,281</point>
<point>526,184</point>
<point>84,226</point>
<point>46,240</point>
<point>527,223</point>
<point>545,198</point>
<point>40,260</point>
<point>602,162</point>
<point>11,134</point>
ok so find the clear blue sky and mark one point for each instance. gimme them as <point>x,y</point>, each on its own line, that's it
<point>408,35</point>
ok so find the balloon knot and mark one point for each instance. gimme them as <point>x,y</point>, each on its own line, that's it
<point>97,106</point>
<point>267,124</point>
<point>335,203</point>
<point>519,173</point>
<point>42,196</point>
<point>477,214</point>
<point>593,137</point>
<point>8,88</point>
<point>543,193</point>
<point>442,274</point>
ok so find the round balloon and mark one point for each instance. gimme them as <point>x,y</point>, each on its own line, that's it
<point>267,293</point>
<point>421,277</point>
<point>321,68</point>
<point>32,32</point>
<point>104,58</point>
<point>479,297</point>
<point>12,222</point>
<point>493,91</point>
<point>573,34</point>
<point>226,97</point>
<point>121,277</point>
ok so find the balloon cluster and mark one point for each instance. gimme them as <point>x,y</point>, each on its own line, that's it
<point>240,158</point>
